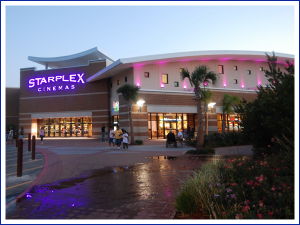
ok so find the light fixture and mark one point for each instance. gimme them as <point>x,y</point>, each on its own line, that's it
<point>211,105</point>
<point>140,103</point>
<point>243,87</point>
<point>184,87</point>
<point>224,85</point>
<point>138,85</point>
<point>162,86</point>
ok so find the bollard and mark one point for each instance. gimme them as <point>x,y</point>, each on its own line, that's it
<point>29,142</point>
<point>33,148</point>
<point>20,158</point>
<point>17,138</point>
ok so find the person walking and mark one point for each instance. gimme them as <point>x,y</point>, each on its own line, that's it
<point>11,135</point>
<point>118,135</point>
<point>22,134</point>
<point>42,134</point>
<point>111,137</point>
<point>103,133</point>
<point>125,139</point>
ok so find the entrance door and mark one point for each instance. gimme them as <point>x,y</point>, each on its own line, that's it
<point>56,127</point>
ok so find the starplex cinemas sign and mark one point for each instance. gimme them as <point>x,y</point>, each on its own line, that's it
<point>51,83</point>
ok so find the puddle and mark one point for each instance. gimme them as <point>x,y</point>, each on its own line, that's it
<point>125,188</point>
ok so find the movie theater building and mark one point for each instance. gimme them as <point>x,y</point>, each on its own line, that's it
<point>75,95</point>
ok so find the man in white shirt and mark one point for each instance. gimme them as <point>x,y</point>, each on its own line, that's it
<point>180,137</point>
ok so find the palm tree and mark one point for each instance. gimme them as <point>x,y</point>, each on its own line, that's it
<point>130,94</point>
<point>199,76</point>
<point>207,95</point>
<point>227,103</point>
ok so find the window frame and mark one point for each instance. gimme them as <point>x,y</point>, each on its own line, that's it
<point>235,81</point>
<point>148,74</point>
<point>235,68</point>
<point>177,83</point>
<point>118,82</point>
<point>166,77</point>
<point>261,69</point>
<point>249,72</point>
<point>222,69</point>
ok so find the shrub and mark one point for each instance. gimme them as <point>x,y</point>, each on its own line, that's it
<point>139,142</point>
<point>245,188</point>
<point>197,185</point>
<point>225,139</point>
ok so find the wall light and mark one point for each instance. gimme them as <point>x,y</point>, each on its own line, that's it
<point>138,85</point>
<point>224,85</point>
<point>140,103</point>
<point>211,106</point>
<point>243,87</point>
<point>162,86</point>
<point>184,87</point>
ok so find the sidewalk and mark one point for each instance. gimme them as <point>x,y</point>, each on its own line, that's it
<point>85,171</point>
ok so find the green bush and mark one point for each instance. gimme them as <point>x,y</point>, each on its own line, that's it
<point>139,142</point>
<point>225,139</point>
<point>196,188</point>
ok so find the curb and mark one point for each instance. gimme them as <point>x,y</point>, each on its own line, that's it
<point>32,184</point>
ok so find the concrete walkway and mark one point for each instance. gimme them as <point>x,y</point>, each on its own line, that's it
<point>90,161</point>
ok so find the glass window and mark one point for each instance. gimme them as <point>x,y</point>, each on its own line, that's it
<point>184,116</point>
<point>118,82</point>
<point>180,70</point>
<point>164,78</point>
<point>235,68</point>
<point>176,84</point>
<point>125,79</point>
<point>235,81</point>
<point>249,72</point>
<point>147,74</point>
<point>220,67</point>
<point>261,69</point>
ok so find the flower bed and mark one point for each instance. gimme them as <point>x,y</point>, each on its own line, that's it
<point>242,188</point>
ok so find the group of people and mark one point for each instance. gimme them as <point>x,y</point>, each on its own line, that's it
<point>116,137</point>
<point>172,139</point>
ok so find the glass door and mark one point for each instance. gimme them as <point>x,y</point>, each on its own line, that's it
<point>57,133</point>
<point>52,131</point>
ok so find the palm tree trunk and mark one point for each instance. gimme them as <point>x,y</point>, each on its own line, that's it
<point>223,123</point>
<point>206,122</point>
<point>200,136</point>
<point>131,123</point>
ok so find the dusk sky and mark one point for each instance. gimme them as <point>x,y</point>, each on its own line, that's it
<point>129,31</point>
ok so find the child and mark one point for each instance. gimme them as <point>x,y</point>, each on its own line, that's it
<point>125,139</point>
<point>111,137</point>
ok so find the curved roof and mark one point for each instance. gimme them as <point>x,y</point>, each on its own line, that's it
<point>222,55</point>
<point>77,59</point>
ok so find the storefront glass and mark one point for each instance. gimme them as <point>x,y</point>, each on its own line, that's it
<point>232,123</point>
<point>66,127</point>
<point>160,124</point>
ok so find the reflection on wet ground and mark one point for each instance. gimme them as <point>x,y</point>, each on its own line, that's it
<point>141,191</point>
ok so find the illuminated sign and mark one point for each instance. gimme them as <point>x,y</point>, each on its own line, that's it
<point>115,106</point>
<point>70,81</point>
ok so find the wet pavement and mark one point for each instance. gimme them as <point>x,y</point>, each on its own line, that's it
<point>142,191</point>
<point>84,179</point>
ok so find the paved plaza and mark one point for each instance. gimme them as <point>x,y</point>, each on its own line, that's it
<point>83,179</point>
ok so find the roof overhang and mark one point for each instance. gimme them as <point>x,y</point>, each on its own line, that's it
<point>77,59</point>
<point>125,63</point>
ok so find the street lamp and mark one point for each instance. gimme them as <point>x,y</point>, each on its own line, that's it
<point>211,105</point>
<point>140,103</point>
